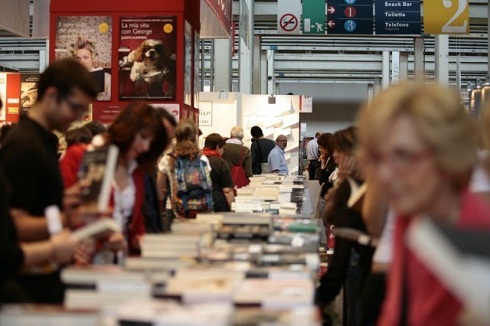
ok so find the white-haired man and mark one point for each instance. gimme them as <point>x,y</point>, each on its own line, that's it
<point>236,154</point>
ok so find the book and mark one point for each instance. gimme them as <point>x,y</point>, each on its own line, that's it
<point>97,173</point>
<point>42,314</point>
<point>98,77</point>
<point>97,228</point>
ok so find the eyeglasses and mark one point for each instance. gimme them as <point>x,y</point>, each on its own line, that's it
<point>399,160</point>
<point>79,109</point>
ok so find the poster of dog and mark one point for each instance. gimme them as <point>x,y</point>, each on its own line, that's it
<point>147,60</point>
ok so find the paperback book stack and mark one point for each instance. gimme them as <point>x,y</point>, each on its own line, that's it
<point>107,286</point>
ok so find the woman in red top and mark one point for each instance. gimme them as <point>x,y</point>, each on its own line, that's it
<point>418,143</point>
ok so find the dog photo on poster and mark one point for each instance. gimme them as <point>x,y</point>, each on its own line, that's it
<point>147,68</point>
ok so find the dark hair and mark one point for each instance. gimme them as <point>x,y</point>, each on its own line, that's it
<point>78,135</point>
<point>165,115</point>
<point>66,75</point>
<point>213,141</point>
<point>325,141</point>
<point>95,128</point>
<point>131,120</point>
<point>345,140</point>
<point>256,132</point>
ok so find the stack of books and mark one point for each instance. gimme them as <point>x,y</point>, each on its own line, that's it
<point>98,286</point>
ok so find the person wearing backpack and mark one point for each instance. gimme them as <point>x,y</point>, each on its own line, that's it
<point>238,158</point>
<point>188,173</point>
<point>221,176</point>
<point>260,150</point>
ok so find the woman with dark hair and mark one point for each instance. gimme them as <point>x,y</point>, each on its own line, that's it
<point>327,163</point>
<point>350,263</point>
<point>141,138</point>
<point>223,185</point>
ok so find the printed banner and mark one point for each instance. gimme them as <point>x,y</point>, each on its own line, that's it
<point>28,90</point>
<point>89,40</point>
<point>288,16</point>
<point>147,61</point>
<point>189,41</point>
<point>446,17</point>
<point>313,16</point>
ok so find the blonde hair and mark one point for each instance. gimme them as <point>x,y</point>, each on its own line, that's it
<point>83,43</point>
<point>440,120</point>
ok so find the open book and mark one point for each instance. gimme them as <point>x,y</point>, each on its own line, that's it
<point>97,172</point>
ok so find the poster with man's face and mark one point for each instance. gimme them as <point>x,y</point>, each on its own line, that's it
<point>88,39</point>
<point>147,58</point>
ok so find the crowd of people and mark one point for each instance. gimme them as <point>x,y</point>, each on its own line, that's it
<point>412,155</point>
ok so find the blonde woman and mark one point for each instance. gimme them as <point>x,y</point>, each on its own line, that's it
<point>418,144</point>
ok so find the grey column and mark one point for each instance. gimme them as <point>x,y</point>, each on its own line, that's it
<point>442,59</point>
<point>256,65</point>
<point>419,60</point>
<point>222,65</point>
<point>246,46</point>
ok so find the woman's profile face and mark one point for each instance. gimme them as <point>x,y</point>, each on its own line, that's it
<point>141,144</point>
<point>407,168</point>
<point>84,56</point>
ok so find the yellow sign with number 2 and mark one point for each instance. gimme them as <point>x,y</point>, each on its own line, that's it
<point>446,17</point>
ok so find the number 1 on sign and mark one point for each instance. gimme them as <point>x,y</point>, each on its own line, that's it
<point>448,27</point>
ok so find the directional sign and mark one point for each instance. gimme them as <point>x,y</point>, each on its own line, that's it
<point>398,17</point>
<point>446,17</point>
<point>350,17</point>
<point>313,16</point>
<point>288,16</point>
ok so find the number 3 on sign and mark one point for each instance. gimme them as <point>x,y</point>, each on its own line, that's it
<point>458,23</point>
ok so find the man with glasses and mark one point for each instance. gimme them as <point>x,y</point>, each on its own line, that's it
<point>277,160</point>
<point>30,163</point>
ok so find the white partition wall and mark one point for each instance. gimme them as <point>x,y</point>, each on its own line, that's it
<point>218,112</point>
<point>281,117</point>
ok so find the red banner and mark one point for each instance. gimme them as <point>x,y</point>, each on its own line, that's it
<point>223,10</point>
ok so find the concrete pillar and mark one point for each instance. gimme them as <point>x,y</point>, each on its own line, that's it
<point>395,67</point>
<point>222,65</point>
<point>246,46</point>
<point>256,65</point>
<point>271,82</point>
<point>419,60</point>
<point>386,69</point>
<point>403,66</point>
<point>442,58</point>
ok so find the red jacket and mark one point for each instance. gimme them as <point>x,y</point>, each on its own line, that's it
<point>429,301</point>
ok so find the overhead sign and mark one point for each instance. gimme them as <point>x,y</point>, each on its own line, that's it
<point>446,17</point>
<point>288,16</point>
<point>398,17</point>
<point>350,17</point>
<point>313,16</point>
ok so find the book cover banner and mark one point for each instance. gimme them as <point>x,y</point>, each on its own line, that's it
<point>87,39</point>
<point>28,90</point>
<point>147,68</point>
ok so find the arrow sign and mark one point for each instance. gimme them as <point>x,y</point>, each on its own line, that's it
<point>331,23</point>
<point>331,10</point>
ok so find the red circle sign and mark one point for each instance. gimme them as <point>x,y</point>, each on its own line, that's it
<point>350,12</point>
<point>288,22</point>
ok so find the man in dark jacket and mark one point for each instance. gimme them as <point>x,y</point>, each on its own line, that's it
<point>260,149</point>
